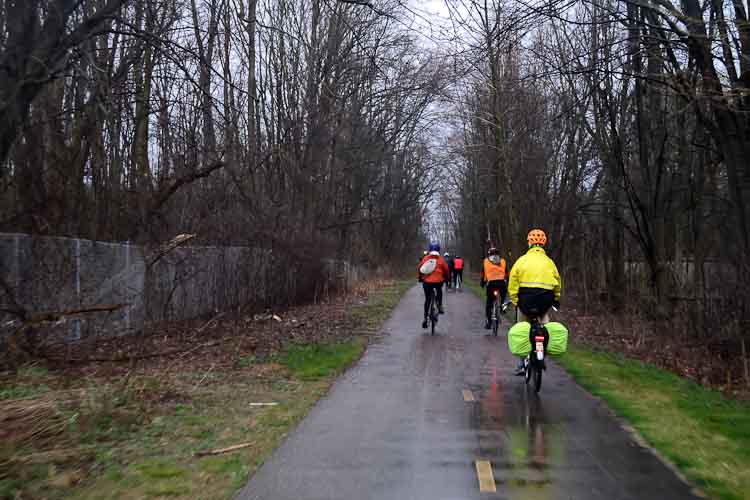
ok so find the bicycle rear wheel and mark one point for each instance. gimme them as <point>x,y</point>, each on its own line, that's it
<point>433,313</point>
<point>538,378</point>
<point>528,370</point>
<point>495,319</point>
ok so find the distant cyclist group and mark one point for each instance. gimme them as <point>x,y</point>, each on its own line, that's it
<point>533,284</point>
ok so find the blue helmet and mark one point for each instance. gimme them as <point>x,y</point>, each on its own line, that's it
<point>434,247</point>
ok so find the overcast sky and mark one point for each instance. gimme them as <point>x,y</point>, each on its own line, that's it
<point>428,18</point>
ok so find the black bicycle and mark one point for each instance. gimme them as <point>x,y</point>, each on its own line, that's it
<point>533,364</point>
<point>498,310</point>
<point>433,311</point>
<point>495,318</point>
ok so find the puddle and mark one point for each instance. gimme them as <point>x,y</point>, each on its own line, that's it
<point>514,433</point>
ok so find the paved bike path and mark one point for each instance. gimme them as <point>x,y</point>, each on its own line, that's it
<point>398,426</point>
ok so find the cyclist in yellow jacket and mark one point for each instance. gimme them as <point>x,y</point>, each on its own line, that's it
<point>535,283</point>
<point>493,275</point>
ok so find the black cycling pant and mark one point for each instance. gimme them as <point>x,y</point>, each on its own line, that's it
<point>428,288</point>
<point>535,302</point>
<point>456,274</point>
<point>491,287</point>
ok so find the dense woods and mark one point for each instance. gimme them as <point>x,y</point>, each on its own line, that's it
<point>332,129</point>
<point>295,125</point>
<point>623,128</point>
<point>210,208</point>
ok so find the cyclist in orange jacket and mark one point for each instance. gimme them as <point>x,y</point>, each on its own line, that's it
<point>493,275</point>
<point>433,280</point>
<point>458,270</point>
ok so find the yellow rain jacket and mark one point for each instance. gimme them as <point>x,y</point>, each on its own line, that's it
<point>534,270</point>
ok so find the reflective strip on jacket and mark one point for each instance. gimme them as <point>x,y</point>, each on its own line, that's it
<point>441,272</point>
<point>534,270</point>
<point>492,272</point>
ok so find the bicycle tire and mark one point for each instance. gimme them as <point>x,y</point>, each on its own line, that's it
<point>433,313</point>
<point>537,378</point>
<point>495,319</point>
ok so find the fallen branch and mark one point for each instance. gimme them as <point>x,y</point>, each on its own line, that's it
<point>51,316</point>
<point>210,322</point>
<point>165,194</point>
<point>168,247</point>
<point>223,450</point>
<point>137,357</point>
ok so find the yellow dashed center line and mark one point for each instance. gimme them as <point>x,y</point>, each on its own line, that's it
<point>484,474</point>
<point>468,396</point>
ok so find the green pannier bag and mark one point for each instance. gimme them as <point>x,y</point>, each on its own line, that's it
<point>558,338</point>
<point>518,338</point>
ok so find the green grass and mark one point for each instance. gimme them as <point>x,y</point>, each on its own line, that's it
<point>313,362</point>
<point>318,361</point>
<point>706,435</point>
<point>157,469</point>
<point>128,442</point>
<point>23,391</point>
<point>370,316</point>
<point>471,282</point>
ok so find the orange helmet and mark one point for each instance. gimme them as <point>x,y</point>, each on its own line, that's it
<point>536,237</point>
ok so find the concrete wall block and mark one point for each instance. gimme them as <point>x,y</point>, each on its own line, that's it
<point>51,274</point>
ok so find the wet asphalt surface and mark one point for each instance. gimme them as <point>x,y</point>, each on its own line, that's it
<point>397,426</point>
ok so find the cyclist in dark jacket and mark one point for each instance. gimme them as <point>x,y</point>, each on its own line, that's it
<point>451,267</point>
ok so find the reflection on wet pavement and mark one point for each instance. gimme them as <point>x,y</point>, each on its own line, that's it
<point>516,437</point>
<point>400,426</point>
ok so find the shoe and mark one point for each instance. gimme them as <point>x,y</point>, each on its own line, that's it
<point>424,323</point>
<point>520,371</point>
<point>441,310</point>
<point>487,325</point>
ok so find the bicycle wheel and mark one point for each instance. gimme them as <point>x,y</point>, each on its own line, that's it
<point>537,378</point>
<point>433,314</point>
<point>495,319</point>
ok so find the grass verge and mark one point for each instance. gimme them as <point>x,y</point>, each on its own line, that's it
<point>316,361</point>
<point>137,435</point>
<point>472,283</point>
<point>704,434</point>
